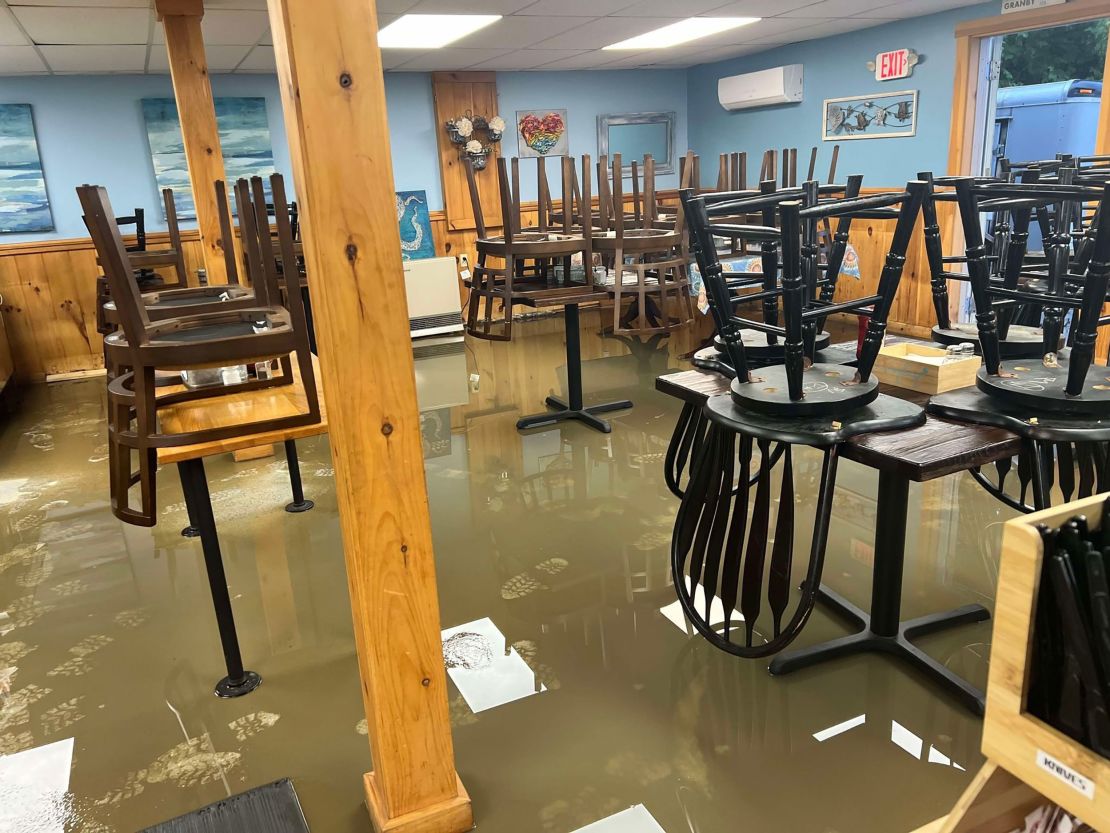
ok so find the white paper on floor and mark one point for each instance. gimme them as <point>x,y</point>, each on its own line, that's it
<point>677,617</point>
<point>34,788</point>
<point>633,820</point>
<point>486,670</point>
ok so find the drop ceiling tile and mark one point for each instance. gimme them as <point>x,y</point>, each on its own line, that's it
<point>605,31</point>
<point>268,38</point>
<point>259,59</point>
<point>585,8</point>
<point>95,58</point>
<point>116,4</point>
<point>760,8</point>
<point>768,30</point>
<point>468,6</point>
<point>394,58</point>
<point>65,25</point>
<point>518,32</point>
<point>436,60</point>
<point>923,7</point>
<point>395,6</point>
<point>10,33</point>
<point>526,59</point>
<point>257,5</point>
<point>840,8</point>
<point>221,58</point>
<point>228,27</point>
<point>19,60</point>
<point>665,8</point>
<point>828,28</point>
<point>594,59</point>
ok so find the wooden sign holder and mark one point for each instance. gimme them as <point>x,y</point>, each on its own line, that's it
<point>1012,782</point>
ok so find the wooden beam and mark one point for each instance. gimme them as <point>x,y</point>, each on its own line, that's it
<point>330,74</point>
<point>1074,11</point>
<point>196,111</point>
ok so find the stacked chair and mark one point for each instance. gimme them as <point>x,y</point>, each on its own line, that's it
<point>145,262</point>
<point>524,266</point>
<point>774,408</point>
<point>195,330</point>
<point>638,256</point>
<point>643,260</point>
<point>1059,400</point>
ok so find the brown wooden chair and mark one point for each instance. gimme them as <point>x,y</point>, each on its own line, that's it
<point>523,270</point>
<point>169,302</point>
<point>212,340</point>
<point>649,264</point>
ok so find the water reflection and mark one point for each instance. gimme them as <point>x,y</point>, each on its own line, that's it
<point>553,546</point>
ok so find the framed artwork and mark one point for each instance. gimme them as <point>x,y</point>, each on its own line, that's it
<point>24,204</point>
<point>416,226</point>
<point>878,116</point>
<point>542,133</point>
<point>244,138</point>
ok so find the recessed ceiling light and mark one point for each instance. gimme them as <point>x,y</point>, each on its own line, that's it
<point>431,31</point>
<point>683,31</point>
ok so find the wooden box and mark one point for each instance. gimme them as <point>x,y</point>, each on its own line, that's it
<point>1059,768</point>
<point>923,368</point>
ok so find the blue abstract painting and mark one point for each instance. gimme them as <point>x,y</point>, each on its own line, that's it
<point>24,205</point>
<point>244,138</point>
<point>416,225</point>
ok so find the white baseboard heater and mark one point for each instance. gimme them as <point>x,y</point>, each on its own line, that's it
<point>432,288</point>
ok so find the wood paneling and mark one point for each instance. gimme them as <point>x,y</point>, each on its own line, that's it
<point>48,289</point>
<point>458,93</point>
<point>48,293</point>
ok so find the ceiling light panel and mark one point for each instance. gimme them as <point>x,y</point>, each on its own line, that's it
<point>431,31</point>
<point>683,31</point>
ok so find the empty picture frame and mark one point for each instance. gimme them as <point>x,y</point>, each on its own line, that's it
<point>633,135</point>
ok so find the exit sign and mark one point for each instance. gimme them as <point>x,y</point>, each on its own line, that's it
<point>897,63</point>
<point>1009,6</point>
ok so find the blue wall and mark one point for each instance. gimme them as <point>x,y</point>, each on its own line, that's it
<point>586,95</point>
<point>836,67</point>
<point>91,127</point>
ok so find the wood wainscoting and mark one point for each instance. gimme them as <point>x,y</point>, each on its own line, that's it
<point>48,290</point>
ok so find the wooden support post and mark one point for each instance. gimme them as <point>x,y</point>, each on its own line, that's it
<point>330,74</point>
<point>196,111</point>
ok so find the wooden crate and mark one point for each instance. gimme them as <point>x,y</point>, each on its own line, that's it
<point>923,368</point>
<point>1014,739</point>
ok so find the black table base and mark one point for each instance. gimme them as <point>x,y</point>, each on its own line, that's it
<point>881,630</point>
<point>198,502</point>
<point>574,407</point>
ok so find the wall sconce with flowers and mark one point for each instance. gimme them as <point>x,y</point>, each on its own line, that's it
<point>461,131</point>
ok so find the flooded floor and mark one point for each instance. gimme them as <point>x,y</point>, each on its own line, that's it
<point>577,691</point>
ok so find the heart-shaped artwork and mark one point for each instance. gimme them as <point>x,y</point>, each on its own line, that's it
<point>541,133</point>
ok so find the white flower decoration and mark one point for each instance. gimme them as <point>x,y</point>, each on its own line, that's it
<point>497,123</point>
<point>464,125</point>
<point>474,146</point>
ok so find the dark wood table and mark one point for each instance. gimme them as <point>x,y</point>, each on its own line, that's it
<point>573,408</point>
<point>933,450</point>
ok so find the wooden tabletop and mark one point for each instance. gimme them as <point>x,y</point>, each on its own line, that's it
<point>937,448</point>
<point>237,408</point>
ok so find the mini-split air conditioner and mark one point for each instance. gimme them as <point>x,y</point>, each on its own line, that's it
<point>780,85</point>
<point>432,289</point>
